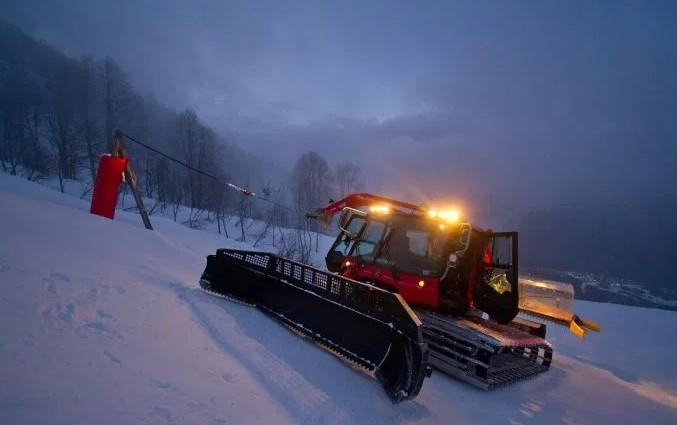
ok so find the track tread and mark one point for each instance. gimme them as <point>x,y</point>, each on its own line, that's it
<point>478,359</point>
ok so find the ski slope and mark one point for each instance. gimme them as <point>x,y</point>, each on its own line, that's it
<point>102,322</point>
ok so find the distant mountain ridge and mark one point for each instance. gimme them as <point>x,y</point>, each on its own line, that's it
<point>635,241</point>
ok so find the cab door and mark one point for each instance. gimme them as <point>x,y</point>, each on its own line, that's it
<point>350,226</point>
<point>497,291</point>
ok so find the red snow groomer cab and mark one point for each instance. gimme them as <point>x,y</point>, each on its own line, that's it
<point>432,258</point>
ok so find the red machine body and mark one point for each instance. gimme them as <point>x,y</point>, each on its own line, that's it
<point>432,259</point>
<point>407,285</point>
<point>107,185</point>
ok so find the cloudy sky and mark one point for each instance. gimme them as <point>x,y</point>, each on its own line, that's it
<point>492,104</point>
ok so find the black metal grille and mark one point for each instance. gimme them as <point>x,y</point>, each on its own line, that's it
<point>364,324</point>
<point>362,297</point>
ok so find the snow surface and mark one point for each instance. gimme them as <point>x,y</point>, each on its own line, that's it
<point>103,322</point>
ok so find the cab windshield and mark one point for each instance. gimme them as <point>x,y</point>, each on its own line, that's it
<point>407,244</point>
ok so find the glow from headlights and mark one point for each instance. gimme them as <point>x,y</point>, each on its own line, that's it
<point>451,215</point>
<point>380,209</point>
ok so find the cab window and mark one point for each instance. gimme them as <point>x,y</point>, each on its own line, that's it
<point>370,238</point>
<point>415,247</point>
<point>344,244</point>
<point>501,251</point>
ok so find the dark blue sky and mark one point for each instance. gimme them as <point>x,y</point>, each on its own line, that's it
<point>496,103</point>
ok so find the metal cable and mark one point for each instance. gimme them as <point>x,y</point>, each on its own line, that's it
<point>244,191</point>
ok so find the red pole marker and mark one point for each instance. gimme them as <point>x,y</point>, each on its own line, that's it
<point>107,184</point>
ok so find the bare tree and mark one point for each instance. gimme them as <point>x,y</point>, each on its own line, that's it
<point>160,176</point>
<point>63,119</point>
<point>174,190</point>
<point>22,105</point>
<point>118,96</point>
<point>196,145</point>
<point>221,199</point>
<point>273,215</point>
<point>311,186</point>
<point>244,210</point>
<point>311,182</point>
<point>297,244</point>
<point>88,124</point>
<point>36,160</point>
<point>348,178</point>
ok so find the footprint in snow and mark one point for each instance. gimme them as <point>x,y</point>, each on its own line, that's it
<point>161,384</point>
<point>60,277</point>
<point>164,413</point>
<point>65,314</point>
<point>228,377</point>
<point>98,327</point>
<point>103,315</point>
<point>530,408</point>
<point>111,357</point>
<point>55,279</point>
<point>533,406</point>
<point>4,267</point>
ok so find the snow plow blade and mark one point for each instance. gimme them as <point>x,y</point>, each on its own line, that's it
<point>370,327</point>
<point>553,301</point>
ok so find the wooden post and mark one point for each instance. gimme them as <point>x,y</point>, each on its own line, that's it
<point>130,178</point>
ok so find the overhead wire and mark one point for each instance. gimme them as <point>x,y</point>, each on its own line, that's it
<point>242,190</point>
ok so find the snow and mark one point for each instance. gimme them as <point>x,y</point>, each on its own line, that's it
<point>102,322</point>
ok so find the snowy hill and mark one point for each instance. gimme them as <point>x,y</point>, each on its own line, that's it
<point>102,322</point>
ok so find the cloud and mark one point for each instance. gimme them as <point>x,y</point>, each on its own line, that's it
<point>500,105</point>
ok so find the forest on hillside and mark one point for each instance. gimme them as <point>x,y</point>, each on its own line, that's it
<point>58,114</point>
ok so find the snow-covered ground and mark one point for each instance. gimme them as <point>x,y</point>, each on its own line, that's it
<point>102,322</point>
<point>255,232</point>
